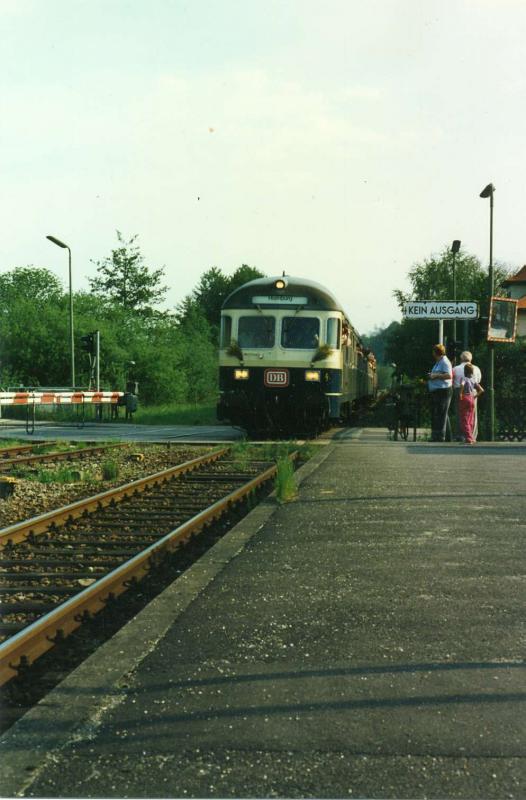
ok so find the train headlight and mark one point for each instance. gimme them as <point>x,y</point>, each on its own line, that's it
<point>281,283</point>
<point>241,374</point>
<point>312,375</point>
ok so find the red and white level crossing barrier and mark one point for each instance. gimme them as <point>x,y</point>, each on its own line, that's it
<point>58,398</point>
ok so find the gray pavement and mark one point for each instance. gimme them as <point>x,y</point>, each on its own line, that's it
<point>125,431</point>
<point>366,640</point>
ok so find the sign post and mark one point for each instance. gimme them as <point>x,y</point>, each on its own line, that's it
<point>441,310</point>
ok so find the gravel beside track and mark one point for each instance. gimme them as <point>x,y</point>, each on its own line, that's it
<point>188,493</point>
<point>31,497</point>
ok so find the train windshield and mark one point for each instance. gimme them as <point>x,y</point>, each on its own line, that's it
<point>256,331</point>
<point>300,333</point>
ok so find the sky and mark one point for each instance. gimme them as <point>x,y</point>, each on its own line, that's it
<point>341,141</point>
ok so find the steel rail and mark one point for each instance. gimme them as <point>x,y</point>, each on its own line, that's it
<point>59,455</point>
<point>41,523</point>
<point>19,448</point>
<point>26,646</point>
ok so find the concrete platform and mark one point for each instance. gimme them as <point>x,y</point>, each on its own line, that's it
<point>366,640</point>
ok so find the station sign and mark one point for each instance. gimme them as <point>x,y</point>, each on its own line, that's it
<point>279,300</point>
<point>441,310</point>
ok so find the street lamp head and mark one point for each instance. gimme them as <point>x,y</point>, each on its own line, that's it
<point>487,191</point>
<point>57,241</point>
<point>455,247</point>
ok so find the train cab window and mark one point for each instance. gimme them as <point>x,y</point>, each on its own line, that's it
<point>300,333</point>
<point>226,330</point>
<point>333,333</point>
<point>256,331</point>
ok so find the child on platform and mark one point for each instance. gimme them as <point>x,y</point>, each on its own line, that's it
<point>469,390</point>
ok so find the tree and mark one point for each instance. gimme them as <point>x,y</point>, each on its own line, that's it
<point>408,344</point>
<point>125,280</point>
<point>34,341</point>
<point>35,283</point>
<point>212,291</point>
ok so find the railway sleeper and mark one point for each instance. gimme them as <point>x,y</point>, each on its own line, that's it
<point>36,590</point>
<point>52,562</point>
<point>32,576</point>
<point>117,541</point>
<point>146,515</point>
<point>28,606</point>
<point>74,555</point>
<point>10,628</point>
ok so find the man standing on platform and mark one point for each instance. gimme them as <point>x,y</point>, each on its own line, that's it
<point>439,385</point>
<point>458,374</point>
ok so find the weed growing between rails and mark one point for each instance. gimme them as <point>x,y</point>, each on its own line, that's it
<point>59,475</point>
<point>285,484</point>
<point>110,470</point>
<point>244,451</point>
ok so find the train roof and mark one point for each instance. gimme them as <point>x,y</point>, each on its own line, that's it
<point>297,293</point>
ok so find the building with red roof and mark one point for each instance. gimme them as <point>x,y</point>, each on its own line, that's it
<point>516,286</point>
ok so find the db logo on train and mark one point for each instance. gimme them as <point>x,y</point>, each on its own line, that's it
<point>276,377</point>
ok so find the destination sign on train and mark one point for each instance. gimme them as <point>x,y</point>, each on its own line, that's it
<point>441,310</point>
<point>279,299</point>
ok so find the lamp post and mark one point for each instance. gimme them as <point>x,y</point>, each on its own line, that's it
<point>488,191</point>
<point>455,247</point>
<point>72,342</point>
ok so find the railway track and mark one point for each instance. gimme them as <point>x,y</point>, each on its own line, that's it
<point>8,463</point>
<point>61,568</point>
<point>14,449</point>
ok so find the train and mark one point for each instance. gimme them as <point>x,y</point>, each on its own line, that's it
<point>289,359</point>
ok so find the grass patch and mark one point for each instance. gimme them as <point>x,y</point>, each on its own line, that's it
<point>110,470</point>
<point>188,414</point>
<point>244,452</point>
<point>285,483</point>
<point>13,442</point>
<point>59,475</point>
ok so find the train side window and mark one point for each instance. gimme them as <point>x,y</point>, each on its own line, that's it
<point>300,333</point>
<point>226,330</point>
<point>352,352</point>
<point>333,333</point>
<point>348,353</point>
<point>256,331</point>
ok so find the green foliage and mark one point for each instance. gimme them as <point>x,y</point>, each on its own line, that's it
<point>234,350</point>
<point>323,351</point>
<point>35,283</point>
<point>176,414</point>
<point>110,470</point>
<point>211,292</point>
<point>34,329</point>
<point>408,344</point>
<point>285,484</point>
<point>377,340</point>
<point>510,369</point>
<point>59,475</point>
<point>124,280</point>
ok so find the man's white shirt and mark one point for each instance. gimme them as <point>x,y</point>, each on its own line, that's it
<point>458,374</point>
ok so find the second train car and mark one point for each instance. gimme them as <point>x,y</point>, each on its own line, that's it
<point>290,361</point>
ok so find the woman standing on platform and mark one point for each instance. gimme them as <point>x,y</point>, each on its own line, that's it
<point>440,388</point>
<point>470,389</point>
